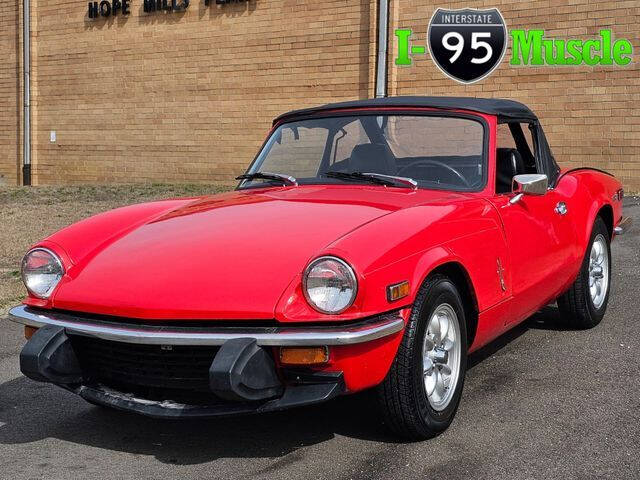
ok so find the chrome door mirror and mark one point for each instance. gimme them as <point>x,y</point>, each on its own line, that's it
<point>529,184</point>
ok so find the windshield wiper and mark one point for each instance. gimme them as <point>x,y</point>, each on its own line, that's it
<point>286,179</point>
<point>377,178</point>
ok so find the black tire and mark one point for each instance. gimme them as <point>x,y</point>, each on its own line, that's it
<point>402,395</point>
<point>576,307</point>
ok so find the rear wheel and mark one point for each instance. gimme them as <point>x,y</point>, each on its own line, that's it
<point>585,303</point>
<point>420,395</point>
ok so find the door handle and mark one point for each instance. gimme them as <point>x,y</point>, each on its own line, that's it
<point>561,208</point>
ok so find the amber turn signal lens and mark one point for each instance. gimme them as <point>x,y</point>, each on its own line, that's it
<point>29,331</point>
<point>397,291</point>
<point>304,355</point>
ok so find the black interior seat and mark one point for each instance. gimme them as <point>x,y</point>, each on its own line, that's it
<point>508,164</point>
<point>372,158</point>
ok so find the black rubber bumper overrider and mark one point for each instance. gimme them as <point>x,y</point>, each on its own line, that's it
<point>242,370</point>
<point>49,357</point>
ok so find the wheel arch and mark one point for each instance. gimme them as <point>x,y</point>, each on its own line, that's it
<point>592,194</point>
<point>597,209</point>
<point>606,213</point>
<point>458,274</point>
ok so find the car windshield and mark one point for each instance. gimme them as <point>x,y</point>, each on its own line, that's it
<point>436,151</point>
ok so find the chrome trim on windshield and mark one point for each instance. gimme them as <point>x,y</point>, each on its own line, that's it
<point>375,328</point>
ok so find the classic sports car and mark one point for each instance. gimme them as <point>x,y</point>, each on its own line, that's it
<point>373,243</point>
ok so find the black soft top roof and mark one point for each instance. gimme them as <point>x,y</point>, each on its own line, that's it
<point>505,109</point>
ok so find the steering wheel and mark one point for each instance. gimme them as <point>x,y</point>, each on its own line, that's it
<point>439,164</point>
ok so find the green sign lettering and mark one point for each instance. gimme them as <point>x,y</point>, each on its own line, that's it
<point>531,48</point>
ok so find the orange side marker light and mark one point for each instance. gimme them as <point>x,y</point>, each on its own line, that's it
<point>397,291</point>
<point>304,355</point>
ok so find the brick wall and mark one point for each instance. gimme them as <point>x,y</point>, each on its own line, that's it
<point>591,114</point>
<point>189,96</point>
<point>10,92</point>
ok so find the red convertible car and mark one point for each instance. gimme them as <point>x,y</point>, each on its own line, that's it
<point>372,243</point>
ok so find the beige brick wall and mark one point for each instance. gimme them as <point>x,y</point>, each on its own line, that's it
<point>10,93</point>
<point>189,97</point>
<point>591,114</point>
<point>186,96</point>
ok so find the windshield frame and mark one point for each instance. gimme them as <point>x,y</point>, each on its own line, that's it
<point>375,113</point>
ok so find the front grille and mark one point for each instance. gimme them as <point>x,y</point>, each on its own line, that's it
<point>179,372</point>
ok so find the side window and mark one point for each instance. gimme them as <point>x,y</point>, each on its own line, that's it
<point>505,138</point>
<point>528,136</point>
<point>345,140</point>
<point>527,152</point>
<point>515,154</point>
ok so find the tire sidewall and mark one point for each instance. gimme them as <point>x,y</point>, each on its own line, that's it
<point>596,313</point>
<point>442,291</point>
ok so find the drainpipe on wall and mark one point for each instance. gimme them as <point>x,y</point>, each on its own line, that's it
<point>26,61</point>
<point>383,40</point>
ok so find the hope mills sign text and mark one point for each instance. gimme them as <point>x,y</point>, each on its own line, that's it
<point>106,8</point>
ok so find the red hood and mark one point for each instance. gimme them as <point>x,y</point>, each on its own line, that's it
<point>228,256</point>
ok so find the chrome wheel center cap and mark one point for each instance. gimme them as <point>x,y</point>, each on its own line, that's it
<point>596,271</point>
<point>439,355</point>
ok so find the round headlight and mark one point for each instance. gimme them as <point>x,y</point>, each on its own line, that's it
<point>41,272</point>
<point>329,285</point>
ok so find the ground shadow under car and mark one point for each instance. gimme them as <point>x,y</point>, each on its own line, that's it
<point>31,411</point>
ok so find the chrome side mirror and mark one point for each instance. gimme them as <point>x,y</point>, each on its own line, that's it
<point>529,184</point>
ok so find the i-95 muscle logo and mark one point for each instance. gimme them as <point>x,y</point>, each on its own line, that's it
<point>467,45</point>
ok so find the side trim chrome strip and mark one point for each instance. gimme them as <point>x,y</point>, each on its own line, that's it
<point>623,226</point>
<point>379,327</point>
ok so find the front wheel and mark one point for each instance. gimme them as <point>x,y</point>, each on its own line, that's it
<point>585,303</point>
<point>420,395</point>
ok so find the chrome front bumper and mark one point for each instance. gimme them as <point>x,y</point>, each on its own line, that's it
<point>364,331</point>
<point>623,226</point>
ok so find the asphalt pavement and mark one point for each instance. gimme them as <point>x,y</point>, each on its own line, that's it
<point>540,402</point>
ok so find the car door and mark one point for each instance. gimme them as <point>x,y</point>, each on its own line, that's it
<point>539,236</point>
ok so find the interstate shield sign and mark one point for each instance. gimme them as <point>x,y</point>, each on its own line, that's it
<point>467,44</point>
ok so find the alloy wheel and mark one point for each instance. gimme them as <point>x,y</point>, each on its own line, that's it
<point>441,356</point>
<point>598,271</point>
